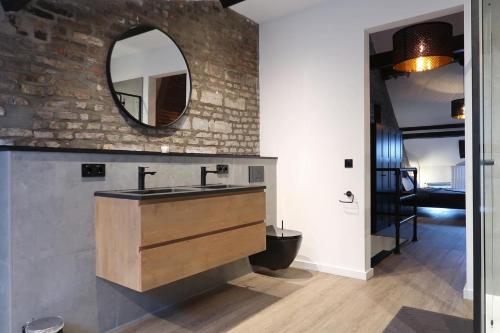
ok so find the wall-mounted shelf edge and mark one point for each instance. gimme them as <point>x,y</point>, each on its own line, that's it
<point>124,152</point>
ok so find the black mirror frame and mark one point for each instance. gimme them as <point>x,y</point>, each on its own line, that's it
<point>136,30</point>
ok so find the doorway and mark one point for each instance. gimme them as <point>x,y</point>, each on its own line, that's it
<point>417,148</point>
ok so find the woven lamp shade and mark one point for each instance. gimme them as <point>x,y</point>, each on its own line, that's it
<point>423,47</point>
<point>458,109</point>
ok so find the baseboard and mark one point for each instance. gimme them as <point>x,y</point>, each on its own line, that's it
<point>377,259</point>
<point>360,275</point>
<point>468,293</point>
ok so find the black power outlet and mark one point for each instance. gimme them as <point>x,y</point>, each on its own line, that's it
<point>222,169</point>
<point>93,170</point>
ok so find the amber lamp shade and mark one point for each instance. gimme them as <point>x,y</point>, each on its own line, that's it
<point>423,47</point>
<point>458,109</point>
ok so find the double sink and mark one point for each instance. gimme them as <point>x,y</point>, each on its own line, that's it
<point>177,191</point>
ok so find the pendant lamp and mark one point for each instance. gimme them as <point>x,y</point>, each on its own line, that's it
<point>423,47</point>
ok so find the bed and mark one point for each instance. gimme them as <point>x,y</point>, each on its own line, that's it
<point>441,198</point>
<point>397,201</point>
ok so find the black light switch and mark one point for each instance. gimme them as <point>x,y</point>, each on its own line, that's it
<point>93,170</point>
<point>348,163</point>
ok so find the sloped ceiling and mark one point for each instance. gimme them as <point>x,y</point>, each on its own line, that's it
<point>425,98</point>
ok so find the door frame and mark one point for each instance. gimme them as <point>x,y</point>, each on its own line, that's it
<point>476,65</point>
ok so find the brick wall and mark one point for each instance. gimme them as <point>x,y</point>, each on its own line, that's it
<point>53,88</point>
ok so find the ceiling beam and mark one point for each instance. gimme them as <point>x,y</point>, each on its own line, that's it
<point>229,3</point>
<point>433,135</point>
<point>384,61</point>
<point>431,127</point>
<point>13,5</point>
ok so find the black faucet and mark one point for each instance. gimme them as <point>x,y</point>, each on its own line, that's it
<point>142,177</point>
<point>204,173</point>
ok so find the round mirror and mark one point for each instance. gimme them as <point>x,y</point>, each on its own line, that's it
<point>149,76</point>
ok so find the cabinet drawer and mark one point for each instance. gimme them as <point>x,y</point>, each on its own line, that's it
<point>165,221</point>
<point>164,264</point>
<point>144,244</point>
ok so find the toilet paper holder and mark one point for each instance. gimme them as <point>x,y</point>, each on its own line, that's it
<point>350,195</point>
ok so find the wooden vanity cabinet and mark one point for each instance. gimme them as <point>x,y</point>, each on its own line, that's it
<point>144,244</point>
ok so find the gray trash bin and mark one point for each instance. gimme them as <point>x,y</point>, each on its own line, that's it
<point>45,325</point>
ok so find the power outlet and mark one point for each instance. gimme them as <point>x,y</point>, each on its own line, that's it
<point>93,170</point>
<point>222,169</point>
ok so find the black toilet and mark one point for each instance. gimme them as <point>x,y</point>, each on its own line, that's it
<point>282,246</point>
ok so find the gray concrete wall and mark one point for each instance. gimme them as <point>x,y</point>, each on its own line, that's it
<point>5,286</point>
<point>53,246</point>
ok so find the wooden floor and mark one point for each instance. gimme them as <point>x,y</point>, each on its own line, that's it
<point>429,275</point>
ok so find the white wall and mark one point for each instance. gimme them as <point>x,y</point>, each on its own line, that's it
<point>434,158</point>
<point>314,113</point>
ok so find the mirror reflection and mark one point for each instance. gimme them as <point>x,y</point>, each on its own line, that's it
<point>149,76</point>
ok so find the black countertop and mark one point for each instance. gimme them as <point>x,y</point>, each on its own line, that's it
<point>125,152</point>
<point>178,191</point>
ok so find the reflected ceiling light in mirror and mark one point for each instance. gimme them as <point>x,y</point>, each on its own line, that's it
<point>458,109</point>
<point>423,47</point>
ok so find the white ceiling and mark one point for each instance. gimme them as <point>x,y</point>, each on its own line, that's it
<point>142,43</point>
<point>261,11</point>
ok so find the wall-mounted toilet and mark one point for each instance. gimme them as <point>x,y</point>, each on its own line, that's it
<point>282,246</point>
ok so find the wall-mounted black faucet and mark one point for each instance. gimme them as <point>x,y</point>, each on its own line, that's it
<point>204,173</point>
<point>142,177</point>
